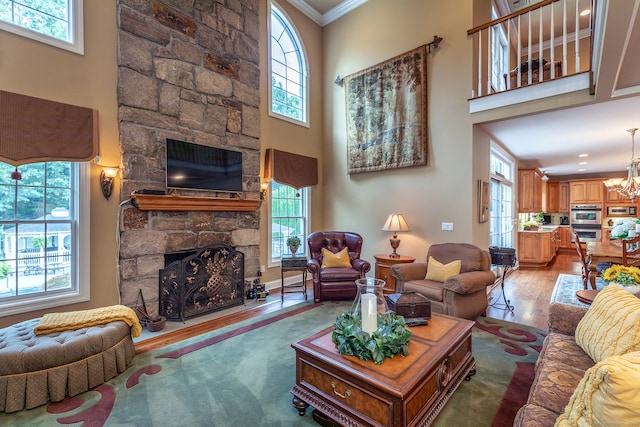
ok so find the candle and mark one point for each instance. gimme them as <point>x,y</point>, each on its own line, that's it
<point>369,313</point>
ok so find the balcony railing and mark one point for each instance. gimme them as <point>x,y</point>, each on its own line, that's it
<point>543,42</point>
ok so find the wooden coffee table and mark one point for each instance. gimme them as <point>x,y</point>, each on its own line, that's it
<point>402,391</point>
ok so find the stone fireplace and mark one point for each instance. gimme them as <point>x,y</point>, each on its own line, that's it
<point>187,70</point>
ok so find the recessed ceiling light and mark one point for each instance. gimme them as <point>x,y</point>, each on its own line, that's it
<point>583,155</point>
<point>582,163</point>
<point>585,12</point>
<point>582,170</point>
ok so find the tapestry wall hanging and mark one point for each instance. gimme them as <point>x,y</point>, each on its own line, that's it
<point>386,109</point>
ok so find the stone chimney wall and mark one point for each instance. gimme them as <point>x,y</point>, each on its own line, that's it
<point>187,70</point>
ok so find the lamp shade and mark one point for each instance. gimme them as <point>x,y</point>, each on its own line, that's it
<point>395,222</point>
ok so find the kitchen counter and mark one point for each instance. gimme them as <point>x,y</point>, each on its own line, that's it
<point>537,248</point>
<point>543,229</point>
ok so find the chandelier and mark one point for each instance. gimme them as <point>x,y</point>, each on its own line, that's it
<point>629,187</point>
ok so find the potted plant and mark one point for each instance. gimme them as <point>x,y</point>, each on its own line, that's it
<point>294,243</point>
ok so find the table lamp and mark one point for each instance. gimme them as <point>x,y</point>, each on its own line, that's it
<point>395,223</point>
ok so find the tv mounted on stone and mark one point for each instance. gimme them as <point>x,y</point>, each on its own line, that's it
<point>199,167</point>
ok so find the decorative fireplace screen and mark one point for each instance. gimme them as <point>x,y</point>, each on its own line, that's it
<point>208,280</point>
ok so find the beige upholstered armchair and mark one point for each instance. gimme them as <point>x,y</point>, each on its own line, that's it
<point>463,294</point>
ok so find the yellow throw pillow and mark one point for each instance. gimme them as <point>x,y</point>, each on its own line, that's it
<point>340,259</point>
<point>440,272</point>
<point>611,325</point>
<point>607,395</point>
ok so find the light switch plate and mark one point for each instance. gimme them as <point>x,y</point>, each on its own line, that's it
<point>447,226</point>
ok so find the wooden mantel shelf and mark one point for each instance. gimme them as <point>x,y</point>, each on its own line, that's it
<point>172,202</point>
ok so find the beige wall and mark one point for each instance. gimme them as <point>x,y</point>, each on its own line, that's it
<point>443,191</point>
<point>35,69</point>
<point>276,133</point>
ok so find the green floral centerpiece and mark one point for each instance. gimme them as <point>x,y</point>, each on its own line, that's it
<point>627,277</point>
<point>391,338</point>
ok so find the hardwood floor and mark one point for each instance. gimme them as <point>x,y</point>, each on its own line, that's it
<point>528,290</point>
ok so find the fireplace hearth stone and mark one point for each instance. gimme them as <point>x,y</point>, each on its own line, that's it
<point>202,282</point>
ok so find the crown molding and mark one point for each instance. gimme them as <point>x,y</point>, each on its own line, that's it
<point>333,14</point>
<point>341,10</point>
<point>303,7</point>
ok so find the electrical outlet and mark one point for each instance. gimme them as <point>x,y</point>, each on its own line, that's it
<point>447,226</point>
<point>262,269</point>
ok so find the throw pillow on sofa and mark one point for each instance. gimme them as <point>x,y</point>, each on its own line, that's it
<point>440,272</point>
<point>607,395</point>
<point>340,259</point>
<point>611,325</point>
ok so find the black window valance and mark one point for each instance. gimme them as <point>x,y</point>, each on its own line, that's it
<point>38,130</point>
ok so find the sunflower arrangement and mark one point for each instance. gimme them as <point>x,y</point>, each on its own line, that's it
<point>622,275</point>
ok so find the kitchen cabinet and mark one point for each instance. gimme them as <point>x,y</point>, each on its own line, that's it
<point>586,191</point>
<point>536,249</point>
<point>553,193</point>
<point>556,196</point>
<point>563,196</point>
<point>529,190</point>
<point>615,198</point>
<point>565,237</point>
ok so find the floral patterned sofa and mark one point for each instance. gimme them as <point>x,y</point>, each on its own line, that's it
<point>559,369</point>
<point>569,387</point>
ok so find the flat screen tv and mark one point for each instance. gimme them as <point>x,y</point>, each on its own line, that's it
<point>199,167</point>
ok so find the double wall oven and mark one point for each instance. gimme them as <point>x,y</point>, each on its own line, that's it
<point>586,221</point>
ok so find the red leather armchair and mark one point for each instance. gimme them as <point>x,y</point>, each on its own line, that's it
<point>335,282</point>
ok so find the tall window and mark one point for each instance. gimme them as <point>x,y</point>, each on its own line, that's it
<point>40,236</point>
<point>499,56</point>
<point>55,22</point>
<point>288,95</point>
<point>289,217</point>
<point>501,214</point>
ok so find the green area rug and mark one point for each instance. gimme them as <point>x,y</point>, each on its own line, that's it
<point>242,375</point>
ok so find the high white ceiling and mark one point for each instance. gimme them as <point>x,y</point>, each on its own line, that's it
<point>552,141</point>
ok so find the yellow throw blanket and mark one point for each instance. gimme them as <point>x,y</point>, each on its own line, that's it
<point>72,320</point>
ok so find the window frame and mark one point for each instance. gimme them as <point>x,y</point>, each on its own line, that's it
<point>501,179</point>
<point>302,58</point>
<point>76,30</point>
<point>81,257</point>
<point>499,54</point>
<point>305,194</point>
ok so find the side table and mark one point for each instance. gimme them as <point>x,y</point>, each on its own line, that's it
<point>293,263</point>
<point>383,270</point>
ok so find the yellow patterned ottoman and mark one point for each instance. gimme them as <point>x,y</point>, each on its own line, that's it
<point>36,369</point>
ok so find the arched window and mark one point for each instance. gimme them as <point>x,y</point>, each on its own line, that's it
<point>288,70</point>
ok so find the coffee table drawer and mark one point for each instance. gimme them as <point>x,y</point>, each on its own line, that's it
<point>346,394</point>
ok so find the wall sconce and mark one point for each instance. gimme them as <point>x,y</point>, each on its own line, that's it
<point>106,180</point>
<point>264,187</point>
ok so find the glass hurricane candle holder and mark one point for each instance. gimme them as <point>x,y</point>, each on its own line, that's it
<point>369,302</point>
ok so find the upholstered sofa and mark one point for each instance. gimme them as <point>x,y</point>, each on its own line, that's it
<point>463,294</point>
<point>569,388</point>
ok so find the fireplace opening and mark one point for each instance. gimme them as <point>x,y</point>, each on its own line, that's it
<point>202,281</point>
